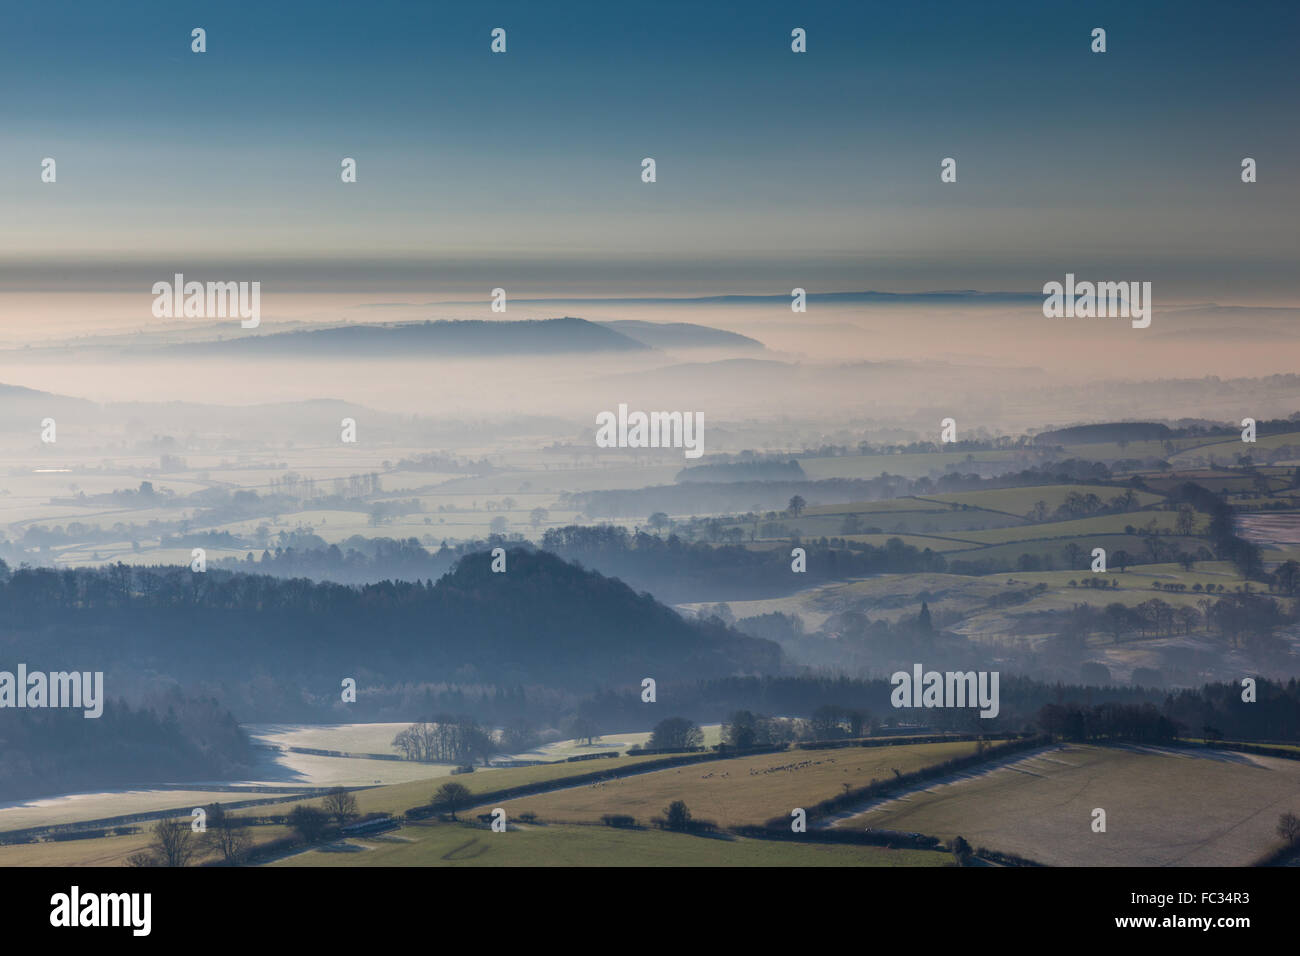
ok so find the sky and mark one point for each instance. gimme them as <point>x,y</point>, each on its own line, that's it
<point>774,169</point>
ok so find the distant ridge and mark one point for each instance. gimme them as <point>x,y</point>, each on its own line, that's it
<point>680,335</point>
<point>941,296</point>
<point>453,337</point>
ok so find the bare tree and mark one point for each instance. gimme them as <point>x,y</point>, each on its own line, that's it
<point>226,835</point>
<point>173,843</point>
<point>408,742</point>
<point>1288,827</point>
<point>341,805</point>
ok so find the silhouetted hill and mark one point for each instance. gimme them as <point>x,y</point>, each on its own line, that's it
<point>542,622</point>
<point>1110,431</point>
<point>681,335</point>
<point>452,337</point>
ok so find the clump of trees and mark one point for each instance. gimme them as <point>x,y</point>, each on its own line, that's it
<point>1243,618</point>
<point>1141,722</point>
<point>177,843</point>
<point>745,729</point>
<point>676,733</point>
<point>311,823</point>
<point>678,818</point>
<point>445,739</point>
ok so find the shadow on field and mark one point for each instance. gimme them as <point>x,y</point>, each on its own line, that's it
<point>462,852</point>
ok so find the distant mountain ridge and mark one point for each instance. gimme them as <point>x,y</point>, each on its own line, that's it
<point>866,296</point>
<point>680,335</point>
<point>451,337</point>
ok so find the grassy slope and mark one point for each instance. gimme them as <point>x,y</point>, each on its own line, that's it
<point>1163,808</point>
<point>744,790</point>
<point>448,844</point>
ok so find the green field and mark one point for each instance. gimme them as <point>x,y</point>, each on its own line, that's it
<point>736,791</point>
<point>742,790</point>
<point>887,506</point>
<point>401,797</point>
<point>1006,555</point>
<point>1017,501</point>
<point>450,844</point>
<point>908,466</point>
<point>395,799</point>
<point>1113,451</point>
<point>1165,523</point>
<point>918,541</point>
<point>1227,449</point>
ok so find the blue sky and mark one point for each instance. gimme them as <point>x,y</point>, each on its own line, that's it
<point>825,162</point>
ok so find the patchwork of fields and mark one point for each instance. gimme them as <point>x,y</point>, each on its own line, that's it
<point>1164,807</point>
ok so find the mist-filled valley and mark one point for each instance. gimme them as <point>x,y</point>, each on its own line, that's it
<point>214,516</point>
<point>675,436</point>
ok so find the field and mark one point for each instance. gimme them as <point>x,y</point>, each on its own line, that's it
<point>1163,807</point>
<point>1019,500</point>
<point>405,784</point>
<point>449,844</point>
<point>990,530</point>
<point>909,466</point>
<point>743,790</point>
<point>1227,449</point>
<point>104,851</point>
<point>1115,451</point>
<point>918,541</point>
<point>887,506</point>
<point>1098,524</point>
<point>377,738</point>
<point>453,507</point>
<point>75,808</point>
<point>945,523</point>
<point>394,799</point>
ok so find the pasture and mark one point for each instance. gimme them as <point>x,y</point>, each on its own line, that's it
<point>740,790</point>
<point>450,844</point>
